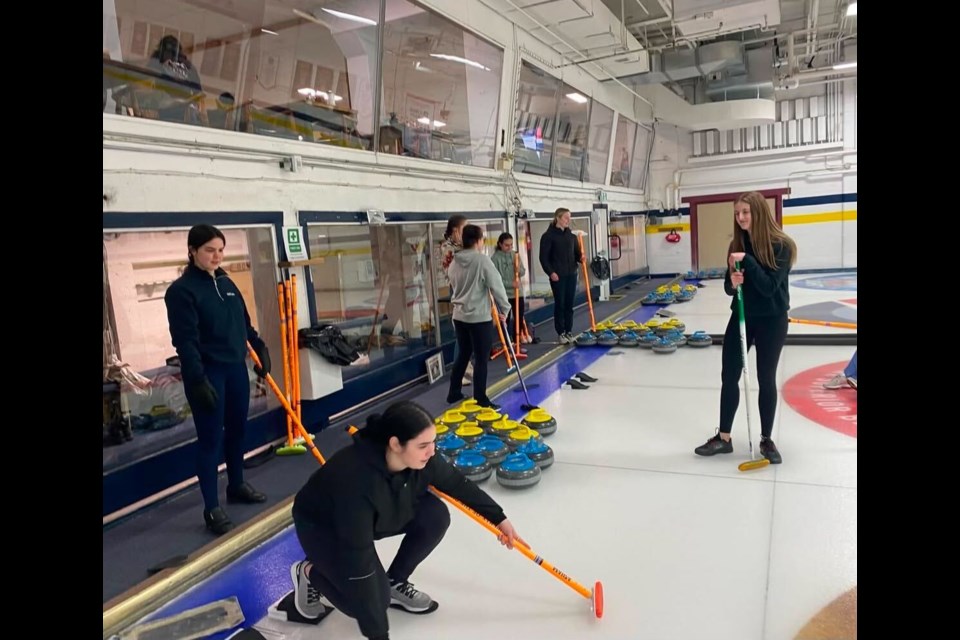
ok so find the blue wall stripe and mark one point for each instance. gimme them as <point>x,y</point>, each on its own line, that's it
<point>814,200</point>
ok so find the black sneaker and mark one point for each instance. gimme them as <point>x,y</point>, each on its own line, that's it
<point>217,521</point>
<point>769,451</point>
<point>714,446</point>
<point>489,405</point>
<point>245,494</point>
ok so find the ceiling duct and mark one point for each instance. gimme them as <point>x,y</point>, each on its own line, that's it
<point>674,65</point>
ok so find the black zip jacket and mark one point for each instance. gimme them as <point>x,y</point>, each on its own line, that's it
<point>766,292</point>
<point>559,251</point>
<point>356,497</point>
<point>208,322</point>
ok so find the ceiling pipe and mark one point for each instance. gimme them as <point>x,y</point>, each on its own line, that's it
<point>572,48</point>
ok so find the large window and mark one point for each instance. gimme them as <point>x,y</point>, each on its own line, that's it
<point>308,71</point>
<point>536,118</point>
<point>630,244</point>
<point>623,152</point>
<point>441,89</point>
<point>375,284</point>
<point>598,151</point>
<point>139,267</point>
<point>537,282</point>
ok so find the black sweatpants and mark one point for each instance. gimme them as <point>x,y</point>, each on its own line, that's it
<point>421,537</point>
<point>564,290</point>
<point>768,335</point>
<point>472,338</point>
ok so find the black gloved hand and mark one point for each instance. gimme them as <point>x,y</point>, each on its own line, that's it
<point>264,355</point>
<point>203,395</point>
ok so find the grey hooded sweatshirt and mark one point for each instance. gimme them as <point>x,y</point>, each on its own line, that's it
<point>472,279</point>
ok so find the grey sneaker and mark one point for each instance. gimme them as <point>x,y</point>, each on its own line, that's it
<point>306,598</point>
<point>838,382</point>
<point>404,596</point>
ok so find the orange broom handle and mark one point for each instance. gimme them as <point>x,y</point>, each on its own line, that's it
<point>281,299</point>
<point>496,321</point>
<point>516,294</point>
<point>518,544</point>
<point>296,349</point>
<point>586,281</point>
<point>823,323</point>
<point>286,405</point>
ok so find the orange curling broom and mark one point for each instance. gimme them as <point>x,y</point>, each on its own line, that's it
<point>595,595</point>
<point>824,323</point>
<point>586,278</point>
<point>753,462</point>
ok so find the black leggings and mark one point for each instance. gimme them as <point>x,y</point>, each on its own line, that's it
<point>564,291</point>
<point>322,548</point>
<point>768,335</point>
<point>473,338</point>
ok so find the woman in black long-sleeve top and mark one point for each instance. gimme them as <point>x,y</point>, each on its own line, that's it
<point>765,254</point>
<point>560,257</point>
<point>375,488</point>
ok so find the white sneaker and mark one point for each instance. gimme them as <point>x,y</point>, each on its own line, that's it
<point>837,382</point>
<point>563,339</point>
<point>468,375</point>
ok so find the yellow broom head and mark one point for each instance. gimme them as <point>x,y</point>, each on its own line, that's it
<point>750,465</point>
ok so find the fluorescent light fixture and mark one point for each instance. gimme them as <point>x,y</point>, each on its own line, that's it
<point>444,56</point>
<point>436,123</point>
<point>273,33</point>
<point>576,97</point>
<point>852,9</point>
<point>350,16</point>
<point>845,65</point>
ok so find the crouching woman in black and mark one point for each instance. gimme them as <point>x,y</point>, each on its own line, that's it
<point>375,488</point>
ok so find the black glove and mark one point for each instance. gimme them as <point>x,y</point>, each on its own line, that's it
<point>264,355</point>
<point>203,395</point>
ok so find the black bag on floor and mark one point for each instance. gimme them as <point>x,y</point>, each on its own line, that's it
<point>600,267</point>
<point>329,342</point>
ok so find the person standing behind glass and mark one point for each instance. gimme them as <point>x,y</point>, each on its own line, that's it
<point>210,328</point>
<point>472,279</point>
<point>179,91</point>
<point>560,257</point>
<point>452,243</point>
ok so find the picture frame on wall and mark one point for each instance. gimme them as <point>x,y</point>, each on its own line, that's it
<point>212,51</point>
<point>435,367</point>
<point>138,42</point>
<point>231,62</point>
<point>302,77</point>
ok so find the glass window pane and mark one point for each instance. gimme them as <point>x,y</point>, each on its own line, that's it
<point>623,152</point>
<point>638,176</point>
<point>374,283</point>
<point>441,89</point>
<point>571,138</point>
<point>537,281</point>
<point>633,256</point>
<point>139,267</point>
<point>280,68</point>
<point>601,123</point>
<point>535,119</point>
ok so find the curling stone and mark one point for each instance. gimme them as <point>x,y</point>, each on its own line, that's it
<point>449,446</point>
<point>587,339</point>
<point>664,345</point>
<point>521,436</point>
<point>492,448</point>
<point>608,339</point>
<point>648,339</point>
<point>629,339</point>
<point>676,337</point>
<point>541,454</point>
<point>469,432</point>
<point>541,422</point>
<point>676,323</point>
<point>699,339</point>
<point>502,428</point>
<point>650,298</point>
<point>470,409</point>
<point>518,471</point>
<point>442,430</point>
<point>473,466</point>
<point>486,418</point>
<point>453,418</point>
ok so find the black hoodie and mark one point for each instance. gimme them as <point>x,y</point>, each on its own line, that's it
<point>208,322</point>
<point>559,251</point>
<point>766,292</point>
<point>356,497</point>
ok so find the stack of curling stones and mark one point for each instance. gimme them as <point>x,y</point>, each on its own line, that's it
<point>668,295</point>
<point>479,441</point>
<point>611,334</point>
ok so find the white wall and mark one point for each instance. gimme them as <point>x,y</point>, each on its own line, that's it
<point>826,233</point>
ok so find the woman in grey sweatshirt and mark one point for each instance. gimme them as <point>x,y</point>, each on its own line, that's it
<point>472,279</point>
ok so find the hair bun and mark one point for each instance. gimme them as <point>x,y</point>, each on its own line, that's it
<point>373,421</point>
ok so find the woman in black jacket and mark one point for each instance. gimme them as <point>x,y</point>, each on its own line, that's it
<point>375,488</point>
<point>765,254</point>
<point>210,328</point>
<point>560,257</point>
